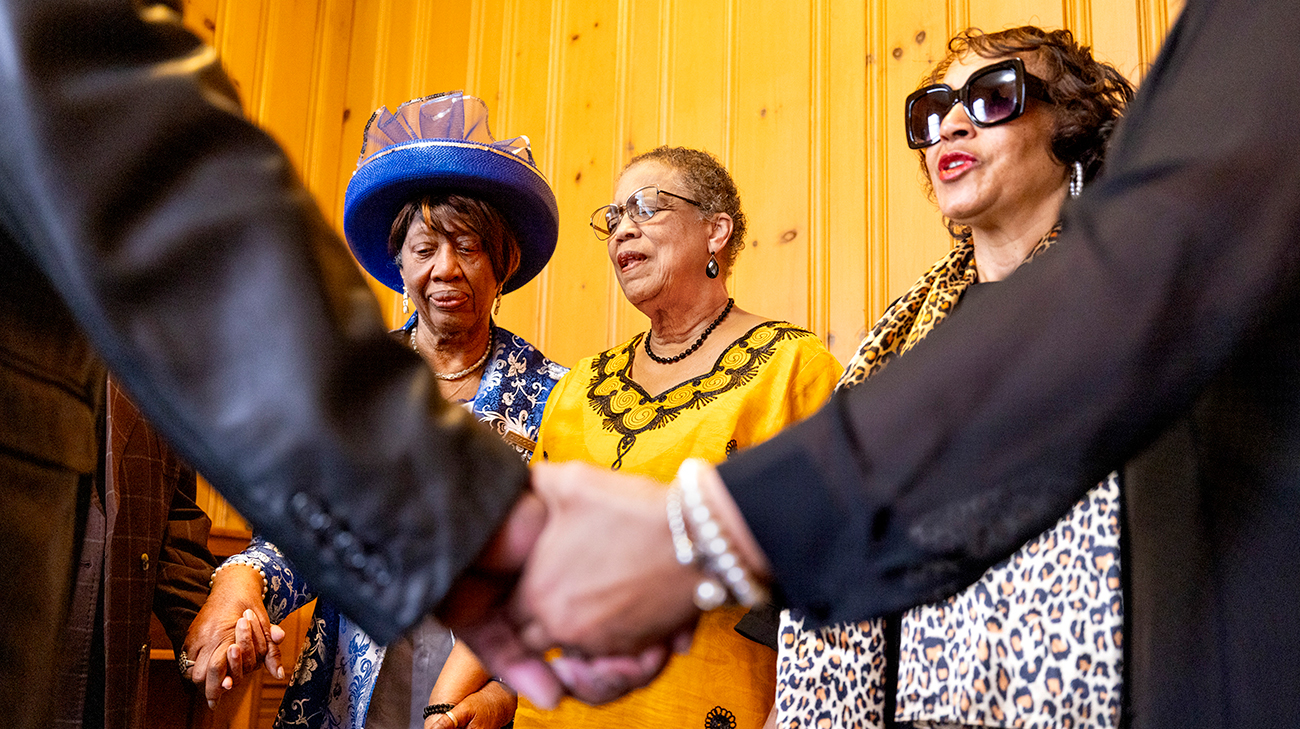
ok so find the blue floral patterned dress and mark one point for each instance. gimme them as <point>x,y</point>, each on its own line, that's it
<point>336,672</point>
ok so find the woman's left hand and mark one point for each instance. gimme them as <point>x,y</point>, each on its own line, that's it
<point>491,707</point>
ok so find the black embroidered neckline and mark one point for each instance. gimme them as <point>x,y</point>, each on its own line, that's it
<point>737,365</point>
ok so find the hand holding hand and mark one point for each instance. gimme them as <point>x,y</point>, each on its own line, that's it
<point>476,606</point>
<point>490,707</point>
<point>232,633</point>
<point>603,578</point>
<point>483,613</point>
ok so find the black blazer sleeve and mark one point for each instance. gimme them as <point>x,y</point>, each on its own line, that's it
<point>906,488</point>
<point>182,242</point>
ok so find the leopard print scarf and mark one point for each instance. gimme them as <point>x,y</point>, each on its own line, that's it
<point>916,313</point>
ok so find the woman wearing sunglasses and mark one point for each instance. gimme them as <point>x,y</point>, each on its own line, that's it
<point>1009,126</point>
<point>705,379</point>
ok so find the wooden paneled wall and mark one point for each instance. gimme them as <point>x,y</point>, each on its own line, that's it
<point>801,100</point>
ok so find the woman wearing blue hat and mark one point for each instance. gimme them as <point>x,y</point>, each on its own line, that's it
<point>438,210</point>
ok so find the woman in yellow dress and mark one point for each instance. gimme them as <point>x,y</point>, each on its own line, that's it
<point>706,380</point>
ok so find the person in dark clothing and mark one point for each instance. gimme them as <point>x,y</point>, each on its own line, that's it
<point>144,552</point>
<point>147,226</point>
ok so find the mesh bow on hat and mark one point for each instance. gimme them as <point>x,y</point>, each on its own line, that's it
<point>441,144</point>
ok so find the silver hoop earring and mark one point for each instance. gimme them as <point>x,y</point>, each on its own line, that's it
<point>1076,180</point>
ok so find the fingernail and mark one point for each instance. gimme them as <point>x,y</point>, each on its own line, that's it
<point>530,683</point>
<point>563,671</point>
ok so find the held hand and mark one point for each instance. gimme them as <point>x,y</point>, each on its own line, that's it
<point>476,606</point>
<point>603,578</point>
<point>253,642</point>
<point>232,633</point>
<point>478,610</point>
<point>491,707</point>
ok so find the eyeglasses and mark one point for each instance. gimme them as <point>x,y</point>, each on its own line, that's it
<point>992,95</point>
<point>640,206</point>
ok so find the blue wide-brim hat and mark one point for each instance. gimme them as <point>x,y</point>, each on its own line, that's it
<point>441,144</point>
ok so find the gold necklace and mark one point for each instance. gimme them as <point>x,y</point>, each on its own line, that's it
<point>454,375</point>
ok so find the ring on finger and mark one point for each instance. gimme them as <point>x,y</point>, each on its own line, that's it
<point>185,663</point>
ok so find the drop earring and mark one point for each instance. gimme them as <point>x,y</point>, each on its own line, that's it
<point>711,270</point>
<point>496,308</point>
<point>406,301</point>
<point>1076,180</point>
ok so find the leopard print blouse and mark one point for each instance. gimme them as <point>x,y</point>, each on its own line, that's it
<point>1036,642</point>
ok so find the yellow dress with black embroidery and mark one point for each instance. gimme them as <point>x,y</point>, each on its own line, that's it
<point>773,376</point>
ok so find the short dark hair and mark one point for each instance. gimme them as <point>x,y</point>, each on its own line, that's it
<point>1088,96</point>
<point>456,214</point>
<point>708,183</point>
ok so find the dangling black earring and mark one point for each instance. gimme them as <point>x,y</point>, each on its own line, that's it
<point>711,270</point>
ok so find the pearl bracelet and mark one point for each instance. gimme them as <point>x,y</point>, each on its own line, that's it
<point>689,516</point>
<point>247,562</point>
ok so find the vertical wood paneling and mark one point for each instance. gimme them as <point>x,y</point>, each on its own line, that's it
<point>915,237</point>
<point>818,283</point>
<point>327,143</point>
<point>200,16</point>
<point>579,275</point>
<point>958,17</point>
<point>642,111</point>
<point>991,15</point>
<point>1078,18</point>
<point>771,159</point>
<point>849,323</point>
<point>524,78</point>
<point>1152,24</point>
<point>239,38</point>
<point>696,78</point>
<point>1115,38</point>
<point>442,32</point>
<point>283,99</point>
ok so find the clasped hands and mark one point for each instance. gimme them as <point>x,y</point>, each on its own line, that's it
<point>587,564</point>
<point>584,563</point>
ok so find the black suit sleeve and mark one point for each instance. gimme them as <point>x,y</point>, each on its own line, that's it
<point>908,487</point>
<point>181,240</point>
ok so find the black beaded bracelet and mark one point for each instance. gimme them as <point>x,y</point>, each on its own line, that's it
<point>437,709</point>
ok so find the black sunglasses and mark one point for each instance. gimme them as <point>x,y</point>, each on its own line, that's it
<point>640,207</point>
<point>992,95</point>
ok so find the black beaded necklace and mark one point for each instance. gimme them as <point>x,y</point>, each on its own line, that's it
<point>693,347</point>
